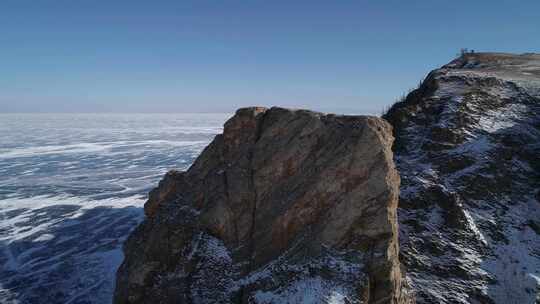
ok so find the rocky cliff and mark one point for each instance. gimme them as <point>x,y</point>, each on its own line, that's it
<point>283,207</point>
<point>300,207</point>
<point>468,151</point>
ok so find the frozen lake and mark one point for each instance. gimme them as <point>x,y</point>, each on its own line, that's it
<point>72,187</point>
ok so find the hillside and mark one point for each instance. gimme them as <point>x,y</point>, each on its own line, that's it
<point>468,151</point>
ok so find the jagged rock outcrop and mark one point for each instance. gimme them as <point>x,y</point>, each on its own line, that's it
<point>284,207</point>
<point>468,151</point>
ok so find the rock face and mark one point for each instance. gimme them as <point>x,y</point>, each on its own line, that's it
<point>468,151</point>
<point>283,207</point>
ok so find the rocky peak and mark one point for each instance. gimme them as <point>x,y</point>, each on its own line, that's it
<point>468,152</point>
<point>286,206</point>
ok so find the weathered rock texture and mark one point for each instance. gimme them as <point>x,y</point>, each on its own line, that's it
<point>468,151</point>
<point>283,207</point>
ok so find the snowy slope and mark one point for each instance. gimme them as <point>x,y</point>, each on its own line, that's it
<point>468,151</point>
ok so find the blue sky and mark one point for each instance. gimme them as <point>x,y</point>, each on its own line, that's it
<point>215,56</point>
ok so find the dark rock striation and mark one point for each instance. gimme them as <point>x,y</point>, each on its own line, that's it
<point>284,207</point>
<point>468,151</point>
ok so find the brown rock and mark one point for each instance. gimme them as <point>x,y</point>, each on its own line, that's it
<point>285,206</point>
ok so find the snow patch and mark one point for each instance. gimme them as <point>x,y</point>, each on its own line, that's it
<point>308,291</point>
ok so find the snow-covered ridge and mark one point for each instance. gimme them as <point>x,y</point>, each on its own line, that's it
<point>468,152</point>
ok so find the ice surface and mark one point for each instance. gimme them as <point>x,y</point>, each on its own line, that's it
<point>72,187</point>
